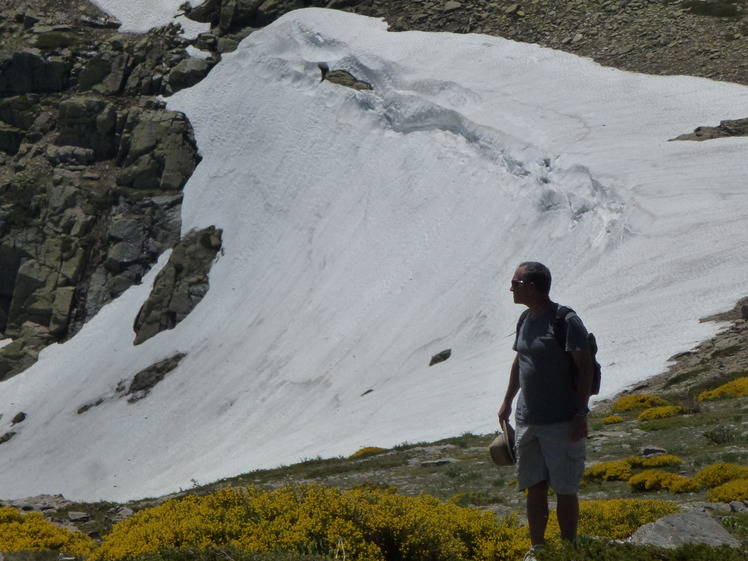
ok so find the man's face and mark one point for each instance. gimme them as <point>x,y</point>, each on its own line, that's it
<point>519,287</point>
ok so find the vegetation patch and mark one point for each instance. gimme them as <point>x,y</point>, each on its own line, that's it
<point>736,490</point>
<point>654,480</point>
<point>29,532</point>
<point>318,520</point>
<point>617,518</point>
<point>718,474</point>
<point>734,388</point>
<point>661,412</point>
<point>638,401</point>
<point>367,451</point>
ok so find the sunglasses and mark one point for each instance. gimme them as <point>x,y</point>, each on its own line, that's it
<point>516,283</point>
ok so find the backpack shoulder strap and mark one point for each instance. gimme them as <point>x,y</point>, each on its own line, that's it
<point>520,321</point>
<point>559,324</point>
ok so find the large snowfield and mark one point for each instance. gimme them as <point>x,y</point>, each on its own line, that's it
<point>365,231</point>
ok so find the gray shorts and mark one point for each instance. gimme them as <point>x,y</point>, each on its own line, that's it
<point>547,453</point>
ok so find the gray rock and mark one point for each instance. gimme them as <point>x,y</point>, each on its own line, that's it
<point>87,122</point>
<point>10,138</point>
<point>187,73</point>
<point>684,528</point>
<point>437,463</point>
<point>78,517</point>
<point>737,506</point>
<point>180,285</point>
<point>145,380</point>
<point>157,151</point>
<point>30,71</point>
<point>20,111</point>
<point>106,73</point>
<point>652,451</point>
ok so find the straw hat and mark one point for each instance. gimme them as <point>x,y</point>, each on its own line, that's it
<point>502,447</point>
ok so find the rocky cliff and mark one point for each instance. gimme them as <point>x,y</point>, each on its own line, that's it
<point>92,164</point>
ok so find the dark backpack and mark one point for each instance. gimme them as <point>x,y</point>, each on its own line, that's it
<point>559,331</point>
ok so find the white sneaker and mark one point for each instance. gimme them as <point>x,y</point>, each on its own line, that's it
<point>530,555</point>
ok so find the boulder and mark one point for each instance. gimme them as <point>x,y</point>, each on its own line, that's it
<point>187,73</point>
<point>157,150</point>
<point>106,73</point>
<point>181,284</point>
<point>20,111</point>
<point>684,528</point>
<point>10,138</point>
<point>87,122</point>
<point>30,71</point>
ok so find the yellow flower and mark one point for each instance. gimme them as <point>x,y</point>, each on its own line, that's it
<point>654,480</point>
<point>661,412</point>
<point>717,474</point>
<point>735,388</point>
<point>33,532</point>
<point>735,490</point>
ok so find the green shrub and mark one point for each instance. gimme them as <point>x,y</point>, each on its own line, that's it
<point>613,419</point>
<point>721,434</point>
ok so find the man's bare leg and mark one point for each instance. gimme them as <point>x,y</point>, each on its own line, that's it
<point>567,512</point>
<point>537,511</point>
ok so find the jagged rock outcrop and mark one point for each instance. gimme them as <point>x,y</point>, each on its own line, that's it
<point>91,166</point>
<point>30,70</point>
<point>157,150</point>
<point>738,127</point>
<point>180,286</point>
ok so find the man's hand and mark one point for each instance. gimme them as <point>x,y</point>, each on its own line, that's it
<point>578,427</point>
<point>504,412</point>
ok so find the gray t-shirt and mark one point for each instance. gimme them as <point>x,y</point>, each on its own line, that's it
<point>546,374</point>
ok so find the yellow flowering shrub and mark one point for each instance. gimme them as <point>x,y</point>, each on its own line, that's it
<point>617,518</point>
<point>638,401</point>
<point>654,461</point>
<point>33,532</point>
<point>312,519</point>
<point>735,490</point>
<point>367,451</point>
<point>735,388</point>
<point>654,480</point>
<point>660,412</point>
<point>717,474</point>
<point>621,470</point>
<point>613,419</point>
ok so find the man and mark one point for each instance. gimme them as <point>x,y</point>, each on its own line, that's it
<point>552,407</point>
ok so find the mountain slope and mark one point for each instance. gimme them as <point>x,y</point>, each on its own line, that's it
<point>365,231</point>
